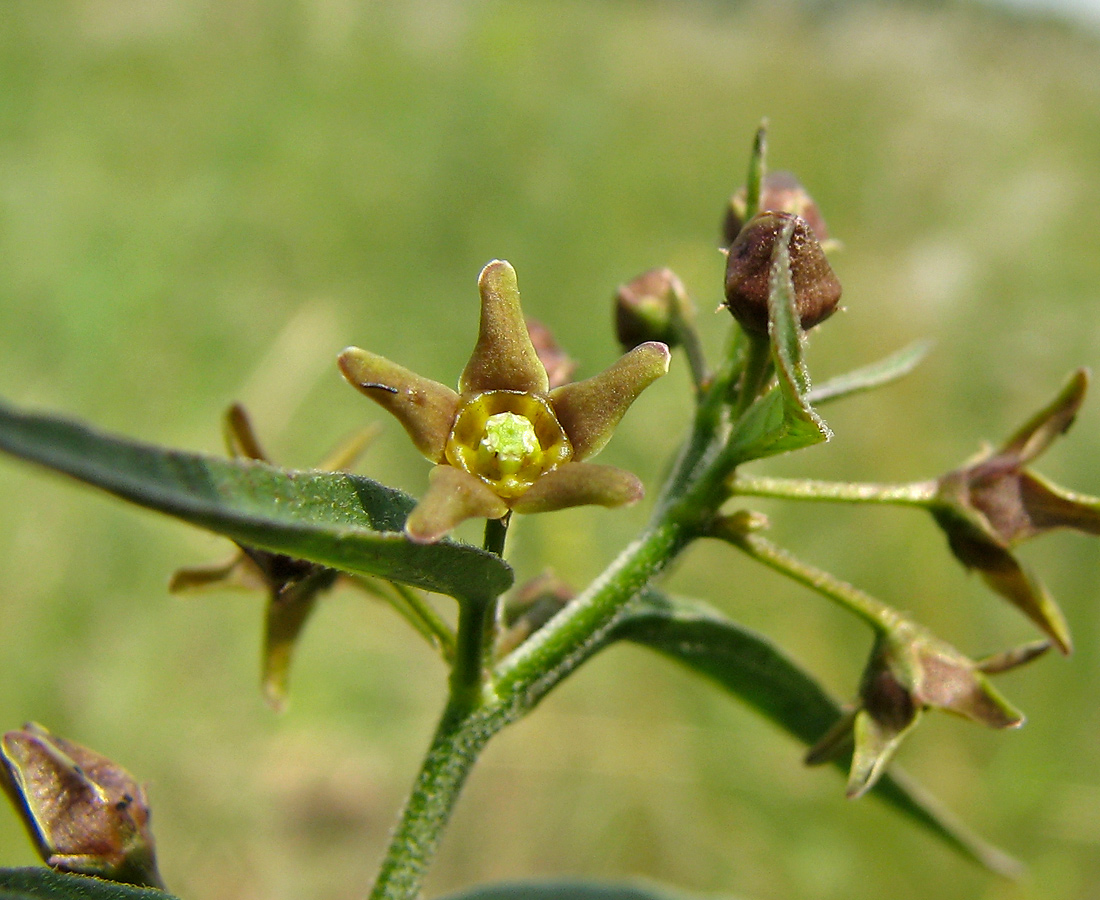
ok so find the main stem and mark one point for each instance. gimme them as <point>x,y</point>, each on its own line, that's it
<point>482,703</point>
<point>458,740</point>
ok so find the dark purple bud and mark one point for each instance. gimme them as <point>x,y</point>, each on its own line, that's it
<point>749,268</point>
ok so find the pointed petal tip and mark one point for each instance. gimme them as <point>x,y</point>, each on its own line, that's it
<point>453,496</point>
<point>496,273</point>
<point>581,484</point>
<point>590,410</point>
<point>504,357</point>
<point>425,408</point>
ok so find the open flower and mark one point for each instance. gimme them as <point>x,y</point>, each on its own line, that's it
<point>85,813</point>
<point>994,502</point>
<point>504,440</point>
<point>910,670</point>
<point>292,585</point>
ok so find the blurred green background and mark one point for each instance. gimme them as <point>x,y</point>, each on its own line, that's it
<point>203,202</point>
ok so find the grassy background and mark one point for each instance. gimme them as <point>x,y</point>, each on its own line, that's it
<point>202,202</point>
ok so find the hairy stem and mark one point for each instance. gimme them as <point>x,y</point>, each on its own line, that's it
<point>418,612</point>
<point>874,612</point>
<point>920,493</point>
<point>458,740</point>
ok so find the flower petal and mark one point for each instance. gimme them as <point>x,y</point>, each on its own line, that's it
<point>589,410</point>
<point>580,484</point>
<point>1024,591</point>
<point>504,358</point>
<point>288,609</point>
<point>956,685</point>
<point>1042,428</point>
<point>1050,506</point>
<point>240,437</point>
<point>876,744</point>
<point>453,496</point>
<point>977,547</point>
<point>425,408</point>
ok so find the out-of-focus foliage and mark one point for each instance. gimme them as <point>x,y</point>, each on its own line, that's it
<point>203,202</point>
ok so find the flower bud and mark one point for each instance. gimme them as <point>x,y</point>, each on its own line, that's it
<point>558,364</point>
<point>84,813</point>
<point>647,307</point>
<point>779,192</point>
<point>749,269</point>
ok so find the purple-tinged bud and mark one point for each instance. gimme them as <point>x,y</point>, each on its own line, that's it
<point>646,309</point>
<point>749,269</point>
<point>558,364</point>
<point>85,813</point>
<point>779,192</point>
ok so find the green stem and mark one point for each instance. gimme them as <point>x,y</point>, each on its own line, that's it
<point>755,374</point>
<point>496,531</point>
<point>874,612</point>
<point>481,705</point>
<point>688,336</point>
<point>426,620</point>
<point>522,678</point>
<point>458,740</point>
<point>408,604</point>
<point>920,493</point>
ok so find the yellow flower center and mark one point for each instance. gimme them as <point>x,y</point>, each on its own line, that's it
<point>507,439</point>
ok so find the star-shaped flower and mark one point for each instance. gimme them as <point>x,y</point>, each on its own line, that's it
<point>504,440</point>
<point>292,585</point>
<point>910,671</point>
<point>994,502</point>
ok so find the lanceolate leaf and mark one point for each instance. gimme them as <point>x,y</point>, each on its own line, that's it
<point>866,378</point>
<point>755,670</point>
<point>344,521</point>
<point>46,884</point>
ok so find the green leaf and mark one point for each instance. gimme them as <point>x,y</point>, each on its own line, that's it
<point>46,884</point>
<point>569,890</point>
<point>344,521</point>
<point>752,668</point>
<point>875,375</point>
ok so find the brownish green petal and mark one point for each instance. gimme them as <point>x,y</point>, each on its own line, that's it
<point>236,573</point>
<point>580,484</point>
<point>976,546</point>
<point>1024,591</point>
<point>875,745</point>
<point>240,437</point>
<point>589,410</point>
<point>1050,506</point>
<point>504,358</point>
<point>955,684</point>
<point>1042,428</point>
<point>288,609</point>
<point>453,496</point>
<point>425,408</point>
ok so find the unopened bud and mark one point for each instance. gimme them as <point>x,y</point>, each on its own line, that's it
<point>84,813</point>
<point>779,192</point>
<point>558,364</point>
<point>749,268</point>
<point>647,307</point>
